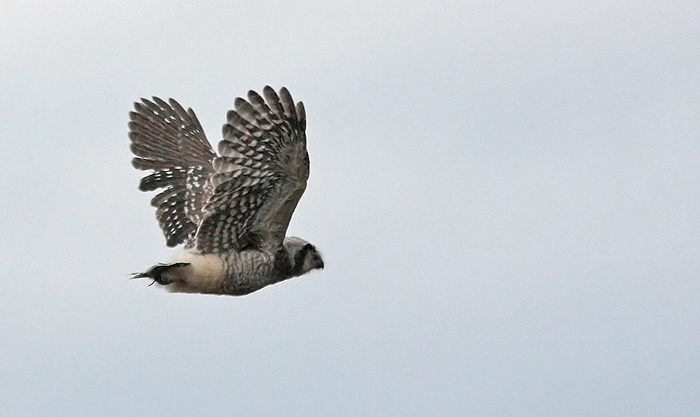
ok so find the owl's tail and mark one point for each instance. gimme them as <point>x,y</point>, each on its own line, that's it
<point>190,272</point>
<point>163,274</point>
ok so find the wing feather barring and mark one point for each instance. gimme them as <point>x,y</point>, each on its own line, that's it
<point>231,211</point>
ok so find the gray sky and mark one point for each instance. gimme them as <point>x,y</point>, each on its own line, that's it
<point>505,193</point>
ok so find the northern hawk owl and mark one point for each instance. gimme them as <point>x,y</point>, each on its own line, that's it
<point>230,210</point>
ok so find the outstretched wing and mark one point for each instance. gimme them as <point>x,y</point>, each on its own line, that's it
<point>260,175</point>
<point>170,141</point>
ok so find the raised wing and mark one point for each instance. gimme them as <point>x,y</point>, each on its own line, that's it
<point>260,175</point>
<point>170,141</point>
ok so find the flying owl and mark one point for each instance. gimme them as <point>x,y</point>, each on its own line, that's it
<point>231,211</point>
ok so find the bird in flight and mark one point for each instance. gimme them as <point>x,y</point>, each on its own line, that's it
<point>231,210</point>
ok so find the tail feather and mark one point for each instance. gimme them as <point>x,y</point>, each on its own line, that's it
<point>159,273</point>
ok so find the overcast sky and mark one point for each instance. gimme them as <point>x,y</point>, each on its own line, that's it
<point>506,195</point>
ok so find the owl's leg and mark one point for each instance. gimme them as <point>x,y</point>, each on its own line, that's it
<point>163,274</point>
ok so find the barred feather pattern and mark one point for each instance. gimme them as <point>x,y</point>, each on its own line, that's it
<point>259,177</point>
<point>170,141</point>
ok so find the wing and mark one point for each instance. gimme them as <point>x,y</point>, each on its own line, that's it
<point>170,141</point>
<point>260,175</point>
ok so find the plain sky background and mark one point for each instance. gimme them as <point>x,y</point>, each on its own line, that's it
<point>506,195</point>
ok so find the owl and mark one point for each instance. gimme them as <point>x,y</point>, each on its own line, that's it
<point>230,210</point>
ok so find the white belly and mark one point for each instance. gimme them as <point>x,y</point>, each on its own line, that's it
<point>205,273</point>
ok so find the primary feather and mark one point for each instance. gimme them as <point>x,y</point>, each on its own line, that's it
<point>170,141</point>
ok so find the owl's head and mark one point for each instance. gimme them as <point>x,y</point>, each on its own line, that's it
<point>304,256</point>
